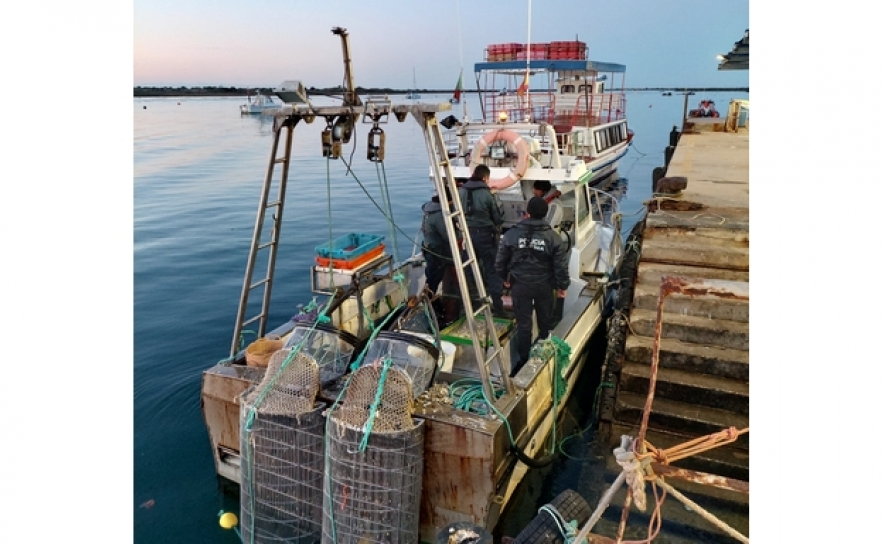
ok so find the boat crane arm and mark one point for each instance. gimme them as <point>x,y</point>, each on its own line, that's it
<point>350,96</point>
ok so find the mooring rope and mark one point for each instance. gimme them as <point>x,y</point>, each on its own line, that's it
<point>568,529</point>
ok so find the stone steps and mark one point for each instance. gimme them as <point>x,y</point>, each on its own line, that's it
<point>700,389</point>
<point>645,297</point>
<point>675,251</point>
<point>650,273</point>
<point>696,330</point>
<point>707,236</point>
<point>674,416</point>
<point>692,358</point>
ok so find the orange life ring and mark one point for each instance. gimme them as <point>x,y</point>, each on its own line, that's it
<point>522,152</point>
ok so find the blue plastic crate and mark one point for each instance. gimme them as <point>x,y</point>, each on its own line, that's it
<point>349,246</point>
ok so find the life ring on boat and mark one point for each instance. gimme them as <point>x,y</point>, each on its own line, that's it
<point>522,154</point>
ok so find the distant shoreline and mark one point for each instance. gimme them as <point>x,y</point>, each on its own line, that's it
<point>146,92</point>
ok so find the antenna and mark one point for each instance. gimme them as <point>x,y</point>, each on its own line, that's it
<point>460,44</point>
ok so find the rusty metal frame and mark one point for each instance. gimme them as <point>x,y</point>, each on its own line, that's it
<point>654,471</point>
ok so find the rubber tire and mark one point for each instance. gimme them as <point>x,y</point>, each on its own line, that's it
<point>544,530</point>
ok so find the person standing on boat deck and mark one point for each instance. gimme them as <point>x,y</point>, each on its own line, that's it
<point>439,262</point>
<point>484,217</point>
<point>533,260</point>
<point>436,247</point>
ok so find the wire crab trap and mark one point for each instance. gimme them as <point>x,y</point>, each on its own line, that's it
<point>282,432</point>
<point>412,344</point>
<point>330,347</point>
<point>374,468</point>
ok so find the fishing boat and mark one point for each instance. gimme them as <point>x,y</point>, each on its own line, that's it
<point>258,103</point>
<point>362,419</point>
<point>568,114</point>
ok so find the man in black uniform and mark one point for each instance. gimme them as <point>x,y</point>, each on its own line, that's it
<point>533,260</point>
<point>484,215</point>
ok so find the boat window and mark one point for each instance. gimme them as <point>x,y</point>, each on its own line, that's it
<point>583,207</point>
<point>567,89</point>
<point>584,88</point>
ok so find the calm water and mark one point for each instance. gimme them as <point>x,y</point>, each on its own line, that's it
<point>199,167</point>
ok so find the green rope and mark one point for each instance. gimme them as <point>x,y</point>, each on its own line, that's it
<point>563,358</point>
<point>250,419</point>
<point>465,392</point>
<point>592,420</point>
<point>385,197</point>
<point>567,529</point>
<point>373,410</point>
<point>328,421</point>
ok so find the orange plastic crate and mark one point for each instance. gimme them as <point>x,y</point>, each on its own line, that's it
<point>344,264</point>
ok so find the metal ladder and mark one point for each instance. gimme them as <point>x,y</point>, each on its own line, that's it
<point>272,245</point>
<point>443,176</point>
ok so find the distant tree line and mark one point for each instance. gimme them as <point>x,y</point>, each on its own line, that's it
<point>336,91</point>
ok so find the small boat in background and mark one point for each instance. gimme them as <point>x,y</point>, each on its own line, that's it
<point>413,94</point>
<point>258,103</point>
<point>705,109</point>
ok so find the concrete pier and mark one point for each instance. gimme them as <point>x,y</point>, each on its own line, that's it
<point>700,232</point>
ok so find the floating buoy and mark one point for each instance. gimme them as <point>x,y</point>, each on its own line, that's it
<point>228,520</point>
<point>145,107</point>
<point>179,103</point>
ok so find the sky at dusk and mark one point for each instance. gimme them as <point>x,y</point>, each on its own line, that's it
<point>393,42</point>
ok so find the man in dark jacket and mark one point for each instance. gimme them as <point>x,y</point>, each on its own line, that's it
<point>436,247</point>
<point>484,215</point>
<point>533,260</point>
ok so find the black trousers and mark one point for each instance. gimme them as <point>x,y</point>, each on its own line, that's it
<point>435,268</point>
<point>527,299</point>
<point>485,241</point>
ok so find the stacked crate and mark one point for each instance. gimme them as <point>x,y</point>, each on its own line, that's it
<point>573,50</point>
<point>501,52</point>
<point>538,51</point>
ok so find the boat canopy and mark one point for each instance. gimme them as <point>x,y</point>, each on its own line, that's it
<point>551,65</point>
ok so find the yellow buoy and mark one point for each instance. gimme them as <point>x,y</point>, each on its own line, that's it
<point>228,520</point>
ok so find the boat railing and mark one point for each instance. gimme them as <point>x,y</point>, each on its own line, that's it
<point>589,110</point>
<point>604,207</point>
<point>518,109</point>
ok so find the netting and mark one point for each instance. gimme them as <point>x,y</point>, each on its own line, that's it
<point>374,461</point>
<point>282,453</point>
<point>414,355</point>
<point>379,398</point>
<point>331,348</point>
